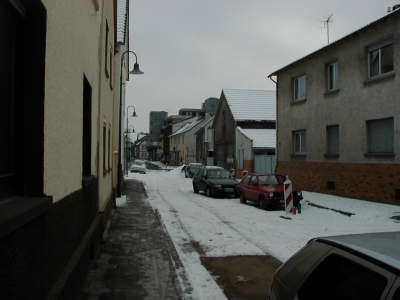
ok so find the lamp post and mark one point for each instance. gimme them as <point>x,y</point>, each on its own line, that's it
<point>128,147</point>
<point>127,136</point>
<point>135,71</point>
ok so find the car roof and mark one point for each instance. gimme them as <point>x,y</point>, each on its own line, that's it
<point>213,168</point>
<point>382,246</point>
<point>258,174</point>
<point>195,164</point>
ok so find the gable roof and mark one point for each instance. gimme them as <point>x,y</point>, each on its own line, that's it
<point>262,138</point>
<point>251,105</point>
<point>355,33</point>
<point>187,127</point>
<point>122,13</point>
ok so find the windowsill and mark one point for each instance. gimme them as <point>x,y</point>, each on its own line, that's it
<point>379,77</point>
<point>380,154</point>
<point>18,211</point>
<point>332,92</point>
<point>331,155</point>
<point>299,154</point>
<point>298,101</point>
<point>87,181</point>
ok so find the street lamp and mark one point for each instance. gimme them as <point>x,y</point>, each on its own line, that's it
<point>135,71</point>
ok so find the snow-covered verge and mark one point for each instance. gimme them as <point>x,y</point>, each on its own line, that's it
<point>225,227</point>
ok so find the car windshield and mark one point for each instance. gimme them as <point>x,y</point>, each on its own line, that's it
<point>271,179</point>
<point>219,174</point>
<point>194,167</point>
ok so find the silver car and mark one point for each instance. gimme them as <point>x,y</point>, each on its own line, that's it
<point>138,166</point>
<point>356,266</point>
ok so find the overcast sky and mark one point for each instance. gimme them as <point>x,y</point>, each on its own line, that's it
<point>192,49</point>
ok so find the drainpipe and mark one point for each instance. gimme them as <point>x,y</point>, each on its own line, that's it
<point>276,121</point>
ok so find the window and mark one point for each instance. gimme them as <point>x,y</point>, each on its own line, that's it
<point>240,158</point>
<point>343,279</point>
<point>380,58</point>
<point>332,139</point>
<point>106,51</point>
<point>111,66</point>
<point>299,141</point>
<point>333,80</point>
<point>299,85</point>
<point>87,128</point>
<point>104,147</point>
<point>109,147</point>
<point>380,135</point>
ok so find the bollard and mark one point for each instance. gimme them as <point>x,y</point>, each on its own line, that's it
<point>299,207</point>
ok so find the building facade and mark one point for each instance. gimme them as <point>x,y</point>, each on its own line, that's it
<point>248,109</point>
<point>56,187</point>
<point>338,115</point>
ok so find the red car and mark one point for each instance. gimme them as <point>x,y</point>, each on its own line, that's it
<point>266,190</point>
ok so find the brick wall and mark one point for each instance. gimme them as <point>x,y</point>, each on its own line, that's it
<point>248,165</point>
<point>373,182</point>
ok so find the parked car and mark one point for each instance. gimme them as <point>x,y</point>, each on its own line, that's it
<point>357,266</point>
<point>191,168</point>
<point>266,189</point>
<point>138,166</point>
<point>214,181</point>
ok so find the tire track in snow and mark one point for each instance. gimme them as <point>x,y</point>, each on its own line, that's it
<point>208,209</point>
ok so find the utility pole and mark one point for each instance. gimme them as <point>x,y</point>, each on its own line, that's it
<point>326,24</point>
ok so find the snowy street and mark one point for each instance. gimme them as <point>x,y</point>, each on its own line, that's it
<point>225,227</point>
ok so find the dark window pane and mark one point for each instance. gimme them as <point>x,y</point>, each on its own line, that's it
<point>339,278</point>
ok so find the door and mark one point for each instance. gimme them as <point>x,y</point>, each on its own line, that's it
<point>264,163</point>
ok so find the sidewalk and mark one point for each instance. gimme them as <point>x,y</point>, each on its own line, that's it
<point>135,260</point>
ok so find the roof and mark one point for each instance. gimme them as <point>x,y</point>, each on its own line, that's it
<point>336,42</point>
<point>251,105</point>
<point>383,246</point>
<point>187,127</point>
<point>122,14</point>
<point>262,138</point>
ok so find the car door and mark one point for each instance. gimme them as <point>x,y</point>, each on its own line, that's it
<point>345,276</point>
<point>202,183</point>
<point>252,192</point>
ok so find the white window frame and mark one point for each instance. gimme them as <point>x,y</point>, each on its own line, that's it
<point>300,88</point>
<point>332,76</point>
<point>377,51</point>
<point>380,136</point>
<point>300,138</point>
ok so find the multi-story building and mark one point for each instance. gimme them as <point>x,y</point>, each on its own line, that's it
<point>338,117</point>
<point>156,134</point>
<point>56,162</point>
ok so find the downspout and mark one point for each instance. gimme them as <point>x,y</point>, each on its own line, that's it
<point>276,121</point>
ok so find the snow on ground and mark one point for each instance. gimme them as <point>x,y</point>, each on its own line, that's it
<point>225,227</point>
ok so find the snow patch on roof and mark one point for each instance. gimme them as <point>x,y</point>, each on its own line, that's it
<point>122,13</point>
<point>262,138</point>
<point>251,105</point>
<point>187,127</point>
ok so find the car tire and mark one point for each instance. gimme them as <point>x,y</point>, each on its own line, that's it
<point>195,189</point>
<point>243,198</point>
<point>208,192</point>
<point>263,203</point>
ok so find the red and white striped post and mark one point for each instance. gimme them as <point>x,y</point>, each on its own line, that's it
<point>287,187</point>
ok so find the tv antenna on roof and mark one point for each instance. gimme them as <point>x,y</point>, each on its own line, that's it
<point>326,24</point>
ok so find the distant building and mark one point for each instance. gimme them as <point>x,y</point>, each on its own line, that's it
<point>156,134</point>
